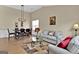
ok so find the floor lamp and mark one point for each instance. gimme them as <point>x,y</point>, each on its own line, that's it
<point>37,30</point>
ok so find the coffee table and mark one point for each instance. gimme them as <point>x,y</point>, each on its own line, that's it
<point>37,46</point>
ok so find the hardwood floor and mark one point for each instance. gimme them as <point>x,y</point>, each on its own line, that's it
<point>13,46</point>
<point>16,46</point>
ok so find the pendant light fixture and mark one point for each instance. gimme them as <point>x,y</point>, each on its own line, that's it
<point>21,19</point>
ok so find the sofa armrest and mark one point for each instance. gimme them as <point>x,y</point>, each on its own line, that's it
<point>56,50</point>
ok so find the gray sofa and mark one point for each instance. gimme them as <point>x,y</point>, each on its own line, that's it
<point>54,39</point>
<point>72,48</point>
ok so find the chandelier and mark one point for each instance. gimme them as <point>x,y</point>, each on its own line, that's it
<point>21,19</point>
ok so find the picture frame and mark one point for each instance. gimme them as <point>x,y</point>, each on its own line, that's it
<point>52,20</point>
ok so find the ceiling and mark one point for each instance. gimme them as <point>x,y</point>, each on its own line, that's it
<point>27,8</point>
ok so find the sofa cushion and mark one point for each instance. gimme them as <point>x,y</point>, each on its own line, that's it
<point>43,36</point>
<point>45,32</point>
<point>48,37</point>
<point>57,50</point>
<point>51,37</point>
<point>58,35</point>
<point>65,42</point>
<point>50,41</point>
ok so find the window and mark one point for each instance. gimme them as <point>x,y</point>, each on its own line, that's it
<point>35,24</point>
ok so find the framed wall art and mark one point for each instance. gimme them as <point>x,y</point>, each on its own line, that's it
<point>52,20</point>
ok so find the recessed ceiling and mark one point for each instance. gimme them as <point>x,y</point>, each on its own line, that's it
<point>27,8</point>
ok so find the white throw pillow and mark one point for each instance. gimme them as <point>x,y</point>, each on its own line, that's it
<point>51,33</point>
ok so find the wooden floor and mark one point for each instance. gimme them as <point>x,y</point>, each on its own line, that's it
<point>13,46</point>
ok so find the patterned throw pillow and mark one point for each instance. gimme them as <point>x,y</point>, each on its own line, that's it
<point>73,46</point>
<point>75,41</point>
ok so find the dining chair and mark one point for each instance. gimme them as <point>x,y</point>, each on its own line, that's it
<point>22,32</point>
<point>17,33</point>
<point>10,33</point>
<point>28,32</point>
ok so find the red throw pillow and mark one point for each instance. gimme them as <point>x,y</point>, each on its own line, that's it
<point>65,42</point>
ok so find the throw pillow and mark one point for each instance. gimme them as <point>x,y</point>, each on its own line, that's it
<point>65,42</point>
<point>51,33</point>
<point>74,45</point>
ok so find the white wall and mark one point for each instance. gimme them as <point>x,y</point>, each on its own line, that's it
<point>66,16</point>
<point>8,17</point>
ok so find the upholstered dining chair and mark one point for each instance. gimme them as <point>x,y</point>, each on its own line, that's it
<point>22,32</point>
<point>28,32</point>
<point>17,33</point>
